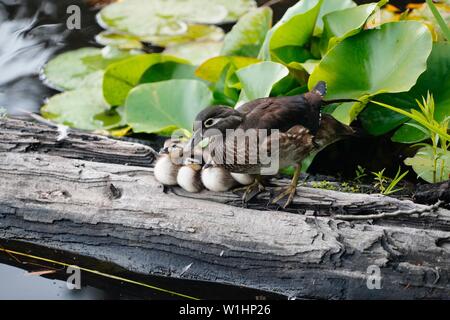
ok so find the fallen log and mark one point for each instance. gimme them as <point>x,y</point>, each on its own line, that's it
<point>78,196</point>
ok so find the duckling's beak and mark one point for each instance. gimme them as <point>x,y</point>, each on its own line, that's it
<point>207,165</point>
<point>164,150</point>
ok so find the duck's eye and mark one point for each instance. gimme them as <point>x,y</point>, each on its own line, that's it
<point>210,122</point>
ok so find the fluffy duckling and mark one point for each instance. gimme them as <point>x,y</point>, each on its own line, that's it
<point>189,176</point>
<point>216,178</point>
<point>169,162</point>
<point>243,178</point>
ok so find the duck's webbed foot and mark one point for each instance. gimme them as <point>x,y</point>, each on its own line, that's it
<point>252,190</point>
<point>285,196</point>
<point>288,192</point>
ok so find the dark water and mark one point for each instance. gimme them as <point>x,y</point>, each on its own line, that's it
<point>31,32</point>
<point>19,280</point>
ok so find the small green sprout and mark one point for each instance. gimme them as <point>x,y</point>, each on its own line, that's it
<point>387,185</point>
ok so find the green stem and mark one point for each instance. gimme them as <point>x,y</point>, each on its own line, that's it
<point>442,24</point>
<point>439,131</point>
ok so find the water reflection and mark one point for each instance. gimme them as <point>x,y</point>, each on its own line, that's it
<point>17,284</point>
<point>30,33</point>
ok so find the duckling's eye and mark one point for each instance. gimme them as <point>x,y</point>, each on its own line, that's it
<point>210,122</point>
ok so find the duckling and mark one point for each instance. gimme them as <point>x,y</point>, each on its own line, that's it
<point>243,178</point>
<point>189,176</point>
<point>169,162</point>
<point>216,178</point>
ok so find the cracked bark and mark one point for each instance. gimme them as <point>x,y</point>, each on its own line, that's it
<point>78,195</point>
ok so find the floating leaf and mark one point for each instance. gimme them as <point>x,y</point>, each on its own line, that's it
<point>423,164</point>
<point>144,18</point>
<point>77,108</point>
<point>436,80</point>
<point>342,24</point>
<point>77,68</point>
<point>149,18</point>
<point>195,52</point>
<point>195,32</point>
<point>121,41</point>
<point>211,69</point>
<point>236,8</point>
<point>389,59</point>
<point>293,30</point>
<point>248,34</point>
<point>258,79</point>
<point>331,6</point>
<point>122,76</point>
<point>165,106</point>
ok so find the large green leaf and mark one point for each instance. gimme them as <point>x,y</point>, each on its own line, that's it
<point>168,70</point>
<point>248,34</point>
<point>167,105</point>
<point>258,79</point>
<point>330,6</point>
<point>195,52</point>
<point>122,76</point>
<point>77,108</point>
<point>409,133</point>
<point>389,59</point>
<point>342,24</point>
<point>78,68</point>
<point>212,69</point>
<point>436,79</point>
<point>294,30</point>
<point>423,164</point>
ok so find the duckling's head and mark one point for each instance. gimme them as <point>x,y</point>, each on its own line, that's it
<point>173,148</point>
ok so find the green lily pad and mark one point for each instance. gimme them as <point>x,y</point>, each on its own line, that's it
<point>145,18</point>
<point>248,34</point>
<point>436,79</point>
<point>236,8</point>
<point>331,6</point>
<point>389,59</point>
<point>258,79</point>
<point>293,30</point>
<point>167,105</point>
<point>423,164</point>
<point>77,108</point>
<point>195,52</point>
<point>149,18</point>
<point>122,76</point>
<point>121,41</point>
<point>195,32</point>
<point>342,24</point>
<point>77,68</point>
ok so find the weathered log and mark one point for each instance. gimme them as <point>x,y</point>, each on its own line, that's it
<point>121,214</point>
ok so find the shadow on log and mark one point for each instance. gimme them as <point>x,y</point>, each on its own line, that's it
<point>78,195</point>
